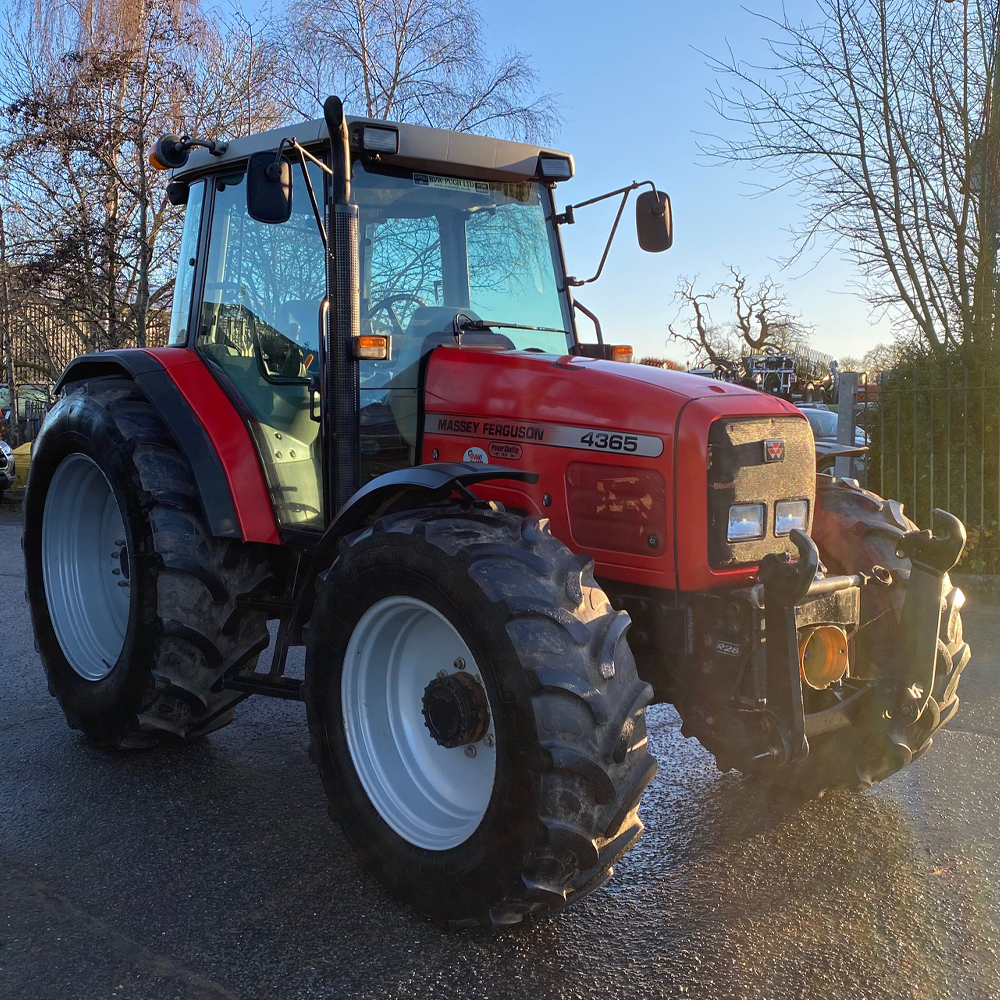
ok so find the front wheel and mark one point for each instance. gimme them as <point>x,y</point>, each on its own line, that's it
<point>475,714</point>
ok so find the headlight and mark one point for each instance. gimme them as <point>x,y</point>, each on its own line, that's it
<point>746,521</point>
<point>789,514</point>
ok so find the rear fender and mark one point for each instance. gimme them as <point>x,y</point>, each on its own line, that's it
<point>208,432</point>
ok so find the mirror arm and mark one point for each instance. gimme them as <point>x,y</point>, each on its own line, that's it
<point>576,282</point>
<point>568,217</point>
<point>312,196</point>
<point>215,146</point>
<point>304,155</point>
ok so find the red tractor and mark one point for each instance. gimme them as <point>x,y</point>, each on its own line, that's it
<point>377,425</point>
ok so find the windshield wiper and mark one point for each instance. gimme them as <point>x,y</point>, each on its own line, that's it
<point>462,322</point>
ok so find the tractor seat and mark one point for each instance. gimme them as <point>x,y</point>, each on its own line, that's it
<point>298,320</point>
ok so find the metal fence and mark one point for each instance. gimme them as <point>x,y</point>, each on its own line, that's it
<point>31,424</point>
<point>935,442</point>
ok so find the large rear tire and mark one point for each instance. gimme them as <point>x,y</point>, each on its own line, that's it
<point>520,797</point>
<point>854,530</point>
<point>133,601</point>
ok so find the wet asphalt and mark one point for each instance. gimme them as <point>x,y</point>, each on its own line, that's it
<point>212,871</point>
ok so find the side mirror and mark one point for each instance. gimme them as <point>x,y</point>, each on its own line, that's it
<point>269,188</point>
<point>177,192</point>
<point>654,222</point>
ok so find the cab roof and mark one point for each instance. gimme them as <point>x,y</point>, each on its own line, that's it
<point>420,147</point>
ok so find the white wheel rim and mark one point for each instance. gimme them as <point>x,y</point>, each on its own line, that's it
<point>86,564</point>
<point>432,796</point>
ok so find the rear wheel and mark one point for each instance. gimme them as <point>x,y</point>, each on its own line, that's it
<point>854,530</point>
<point>476,715</point>
<point>133,601</point>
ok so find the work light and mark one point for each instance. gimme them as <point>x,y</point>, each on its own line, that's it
<point>380,140</point>
<point>789,514</point>
<point>746,521</point>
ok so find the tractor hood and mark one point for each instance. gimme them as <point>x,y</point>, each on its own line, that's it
<point>526,385</point>
<point>621,451</point>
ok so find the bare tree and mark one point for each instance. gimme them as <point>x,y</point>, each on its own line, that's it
<point>420,61</point>
<point>757,317</point>
<point>86,88</point>
<point>884,116</point>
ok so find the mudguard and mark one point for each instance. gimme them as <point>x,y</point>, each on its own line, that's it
<point>208,432</point>
<point>414,487</point>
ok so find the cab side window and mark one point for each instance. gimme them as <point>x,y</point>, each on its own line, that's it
<point>186,261</point>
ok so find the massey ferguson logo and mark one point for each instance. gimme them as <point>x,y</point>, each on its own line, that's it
<point>774,450</point>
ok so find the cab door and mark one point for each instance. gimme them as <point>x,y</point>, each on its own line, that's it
<point>260,328</point>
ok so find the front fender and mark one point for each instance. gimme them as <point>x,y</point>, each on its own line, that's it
<point>414,487</point>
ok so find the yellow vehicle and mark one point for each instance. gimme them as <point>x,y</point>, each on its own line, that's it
<point>22,459</point>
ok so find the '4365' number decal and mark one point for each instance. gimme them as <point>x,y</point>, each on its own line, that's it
<point>605,441</point>
<point>492,431</point>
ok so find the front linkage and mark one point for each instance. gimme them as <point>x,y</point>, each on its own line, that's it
<point>898,703</point>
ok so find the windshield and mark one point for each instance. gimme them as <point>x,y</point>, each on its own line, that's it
<point>436,246</point>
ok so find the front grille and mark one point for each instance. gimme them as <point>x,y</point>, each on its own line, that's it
<point>739,473</point>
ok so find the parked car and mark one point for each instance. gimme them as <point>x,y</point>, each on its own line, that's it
<point>823,422</point>
<point>824,425</point>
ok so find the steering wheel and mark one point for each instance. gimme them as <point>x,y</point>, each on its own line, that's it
<point>388,301</point>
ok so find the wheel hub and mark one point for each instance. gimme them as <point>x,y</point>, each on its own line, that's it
<point>455,710</point>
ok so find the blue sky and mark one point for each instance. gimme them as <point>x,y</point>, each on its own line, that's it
<point>632,87</point>
<point>633,90</point>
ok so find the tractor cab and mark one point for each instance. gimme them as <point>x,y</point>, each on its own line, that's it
<point>432,246</point>
<point>457,246</point>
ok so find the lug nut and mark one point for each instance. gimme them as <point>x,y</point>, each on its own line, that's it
<point>460,663</point>
<point>489,739</point>
<point>441,674</point>
<point>470,751</point>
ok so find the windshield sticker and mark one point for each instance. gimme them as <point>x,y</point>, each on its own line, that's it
<point>554,435</point>
<point>454,183</point>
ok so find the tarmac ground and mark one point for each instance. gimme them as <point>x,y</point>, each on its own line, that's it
<point>212,871</point>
